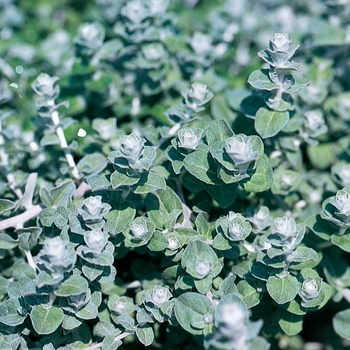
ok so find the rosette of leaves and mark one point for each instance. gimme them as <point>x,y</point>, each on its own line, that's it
<point>54,261</point>
<point>227,160</point>
<point>277,82</point>
<point>132,161</point>
<point>314,292</point>
<point>336,209</point>
<point>188,140</point>
<point>77,301</point>
<point>151,65</point>
<point>154,302</point>
<point>233,329</point>
<point>135,24</point>
<point>89,215</point>
<point>202,264</point>
<point>284,251</point>
<point>97,256</point>
<point>199,56</point>
<point>89,39</point>
<point>286,181</point>
<point>139,232</point>
<point>194,100</point>
<point>340,172</point>
<point>314,126</point>
<point>259,218</point>
<point>119,305</point>
<point>231,230</point>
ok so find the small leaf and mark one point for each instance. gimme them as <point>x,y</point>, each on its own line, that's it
<point>119,178</point>
<point>46,321</point>
<point>145,335</point>
<point>150,182</point>
<point>260,80</point>
<point>190,309</point>
<point>282,290</point>
<point>118,218</point>
<point>7,242</point>
<point>5,205</point>
<point>342,242</point>
<point>92,164</point>
<point>341,323</point>
<point>218,130</point>
<point>74,285</point>
<point>262,178</point>
<point>160,204</point>
<point>223,194</point>
<point>291,324</point>
<point>269,123</point>
<point>9,314</point>
<point>201,165</point>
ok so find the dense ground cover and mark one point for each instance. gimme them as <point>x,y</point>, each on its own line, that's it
<point>174,174</point>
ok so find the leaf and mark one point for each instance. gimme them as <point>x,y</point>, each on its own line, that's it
<point>28,237</point>
<point>7,242</point>
<point>223,194</point>
<point>150,182</point>
<point>118,218</point>
<point>250,295</point>
<point>304,253</point>
<point>104,328</point>
<point>201,165</point>
<point>60,193</point>
<point>291,324</point>
<point>5,205</point>
<point>322,156</point>
<point>160,204</point>
<point>342,242</point>
<point>262,178</point>
<point>119,178</point>
<point>218,130</point>
<point>190,309</point>
<point>341,324</point>
<point>92,164</point>
<point>145,335</point>
<point>282,290</point>
<point>260,80</point>
<point>9,314</point>
<point>269,123</point>
<point>219,109</point>
<point>74,285</point>
<point>46,321</point>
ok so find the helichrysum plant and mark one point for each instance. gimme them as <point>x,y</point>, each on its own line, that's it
<point>175,175</point>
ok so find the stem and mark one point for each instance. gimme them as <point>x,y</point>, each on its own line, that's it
<point>63,142</point>
<point>5,163</point>
<point>18,220</point>
<point>118,337</point>
<point>30,259</point>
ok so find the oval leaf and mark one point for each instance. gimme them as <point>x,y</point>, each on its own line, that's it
<point>46,321</point>
<point>269,123</point>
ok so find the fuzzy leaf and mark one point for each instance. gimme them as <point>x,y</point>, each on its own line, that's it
<point>160,204</point>
<point>218,130</point>
<point>145,335</point>
<point>269,123</point>
<point>46,321</point>
<point>74,285</point>
<point>341,323</point>
<point>260,80</point>
<point>282,290</point>
<point>201,165</point>
<point>190,309</point>
<point>150,182</point>
<point>118,218</point>
<point>5,205</point>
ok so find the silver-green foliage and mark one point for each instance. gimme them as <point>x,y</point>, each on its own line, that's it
<point>150,197</point>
